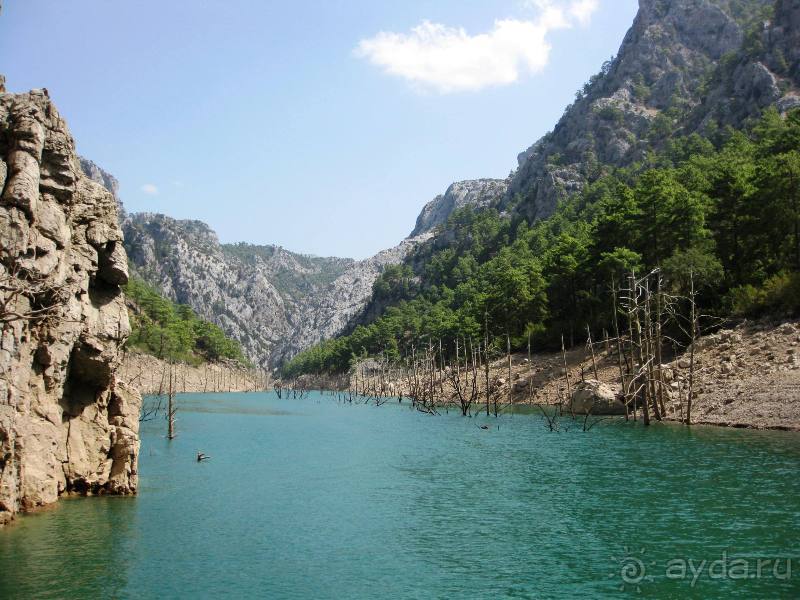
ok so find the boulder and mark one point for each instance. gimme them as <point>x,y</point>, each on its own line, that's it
<point>596,398</point>
<point>728,368</point>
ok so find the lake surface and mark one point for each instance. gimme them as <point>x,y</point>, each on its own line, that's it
<point>315,499</point>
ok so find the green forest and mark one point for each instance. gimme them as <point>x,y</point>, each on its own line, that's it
<point>723,209</point>
<point>173,331</point>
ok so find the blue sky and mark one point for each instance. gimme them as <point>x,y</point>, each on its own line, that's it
<point>321,126</point>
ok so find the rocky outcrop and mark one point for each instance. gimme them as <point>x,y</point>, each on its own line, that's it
<point>66,423</point>
<point>657,85</point>
<point>478,193</point>
<point>591,397</point>
<point>104,178</point>
<point>274,302</point>
<point>748,376</point>
<point>765,72</point>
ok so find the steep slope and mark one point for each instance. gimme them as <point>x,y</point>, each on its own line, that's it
<point>98,175</point>
<point>659,78</point>
<point>66,424</point>
<point>107,180</point>
<point>477,193</point>
<point>764,72</point>
<point>172,332</point>
<point>274,302</point>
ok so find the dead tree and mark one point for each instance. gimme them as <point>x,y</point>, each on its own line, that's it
<point>659,342</point>
<point>639,381</point>
<point>591,349</point>
<point>510,383</point>
<point>649,349</point>
<point>466,391</point>
<point>695,330</point>
<point>530,370</point>
<point>486,359</point>
<point>625,396</point>
<point>566,370</point>
<point>26,296</point>
<point>171,407</point>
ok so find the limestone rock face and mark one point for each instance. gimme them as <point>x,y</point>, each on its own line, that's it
<point>66,424</point>
<point>670,63</point>
<point>596,398</point>
<point>477,194</point>
<point>104,178</point>
<point>274,302</point>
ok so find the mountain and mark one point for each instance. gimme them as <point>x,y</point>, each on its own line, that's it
<point>98,175</point>
<point>683,66</point>
<point>67,423</point>
<point>663,157</point>
<point>273,301</point>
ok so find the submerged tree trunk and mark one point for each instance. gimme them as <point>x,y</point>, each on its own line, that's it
<point>641,387</point>
<point>591,349</point>
<point>530,371</point>
<point>566,370</point>
<point>510,386</point>
<point>625,397</point>
<point>694,328</point>
<point>171,407</point>
<point>486,360</point>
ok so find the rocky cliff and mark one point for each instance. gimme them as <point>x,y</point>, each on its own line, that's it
<point>763,72</point>
<point>274,302</point>
<point>104,178</point>
<point>683,65</point>
<point>478,193</point>
<point>66,424</point>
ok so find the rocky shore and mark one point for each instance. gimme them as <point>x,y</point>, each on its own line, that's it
<point>150,376</point>
<point>747,376</point>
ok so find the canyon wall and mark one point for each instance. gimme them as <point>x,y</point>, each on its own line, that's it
<point>273,301</point>
<point>67,425</point>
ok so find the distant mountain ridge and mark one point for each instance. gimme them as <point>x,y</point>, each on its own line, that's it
<point>273,301</point>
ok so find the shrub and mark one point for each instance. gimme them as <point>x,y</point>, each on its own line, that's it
<point>779,295</point>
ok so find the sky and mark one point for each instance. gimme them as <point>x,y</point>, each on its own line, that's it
<point>320,126</point>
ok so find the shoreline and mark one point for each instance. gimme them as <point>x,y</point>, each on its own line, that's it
<point>149,375</point>
<point>747,377</point>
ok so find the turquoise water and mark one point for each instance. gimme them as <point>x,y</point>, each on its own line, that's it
<point>315,499</point>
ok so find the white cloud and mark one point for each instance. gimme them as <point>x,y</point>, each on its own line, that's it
<point>582,10</point>
<point>448,59</point>
<point>150,189</point>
